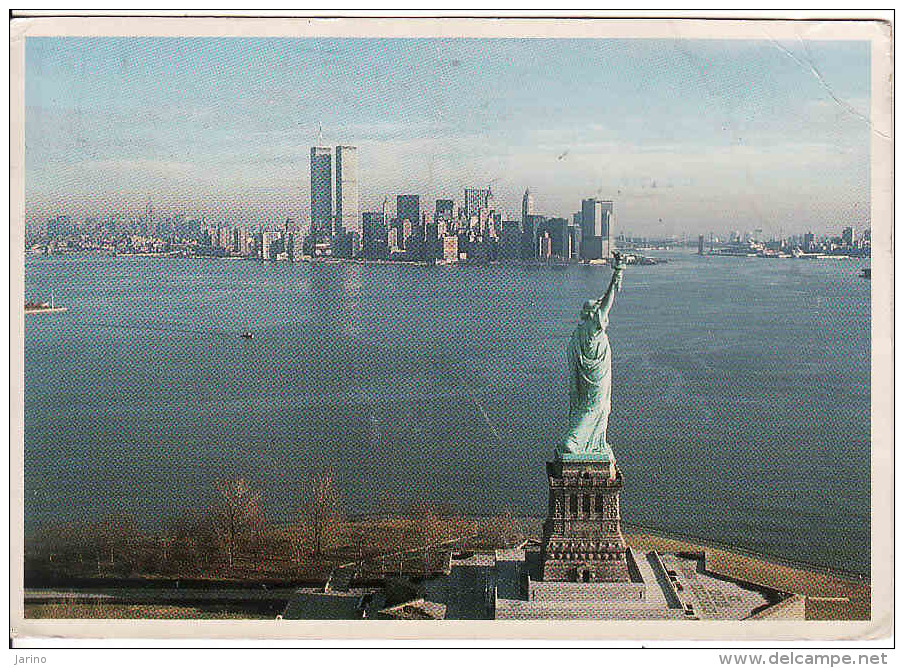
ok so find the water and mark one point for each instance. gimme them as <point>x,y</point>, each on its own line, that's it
<point>741,408</point>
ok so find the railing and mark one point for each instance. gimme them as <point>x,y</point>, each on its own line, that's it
<point>406,562</point>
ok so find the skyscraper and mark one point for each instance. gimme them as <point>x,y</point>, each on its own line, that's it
<point>847,235</point>
<point>406,234</point>
<point>241,241</point>
<point>574,240</point>
<point>444,210</point>
<point>374,235</point>
<point>224,240</point>
<point>529,228</point>
<point>510,240</point>
<point>809,241</point>
<point>444,215</point>
<point>264,245</point>
<point>608,225</point>
<point>347,218</point>
<point>408,207</point>
<point>545,248</point>
<point>527,206</point>
<point>392,240</point>
<point>556,230</point>
<point>293,245</point>
<point>592,218</point>
<point>432,248</point>
<point>475,200</point>
<point>321,193</point>
<point>450,248</point>
<point>596,223</point>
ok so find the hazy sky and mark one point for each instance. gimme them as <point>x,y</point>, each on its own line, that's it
<point>701,134</point>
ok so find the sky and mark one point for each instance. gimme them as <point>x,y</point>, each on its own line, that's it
<point>686,136</point>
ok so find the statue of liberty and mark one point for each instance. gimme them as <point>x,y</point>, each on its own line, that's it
<point>590,384</point>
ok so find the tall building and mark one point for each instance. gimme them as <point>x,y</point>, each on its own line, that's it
<point>392,240</point>
<point>406,233</point>
<point>450,249</point>
<point>444,216</point>
<point>608,228</point>
<point>847,235</point>
<point>596,228</point>
<point>527,205</point>
<point>529,227</point>
<point>321,193</point>
<point>264,245</point>
<point>475,200</point>
<point>510,240</point>
<point>225,238</point>
<point>444,210</point>
<point>556,230</point>
<point>592,218</point>
<point>574,240</point>
<point>374,237</point>
<point>239,240</point>
<point>347,218</point>
<point>211,235</point>
<point>298,249</point>
<point>408,207</point>
<point>432,248</point>
<point>544,251</point>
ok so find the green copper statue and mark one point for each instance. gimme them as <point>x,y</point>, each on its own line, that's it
<point>590,385</point>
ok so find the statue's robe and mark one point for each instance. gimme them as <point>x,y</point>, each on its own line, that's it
<point>590,388</point>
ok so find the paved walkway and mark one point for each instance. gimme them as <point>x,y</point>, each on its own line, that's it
<point>467,592</point>
<point>711,596</point>
<point>654,594</point>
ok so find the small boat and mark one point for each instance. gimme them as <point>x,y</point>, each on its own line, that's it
<point>247,335</point>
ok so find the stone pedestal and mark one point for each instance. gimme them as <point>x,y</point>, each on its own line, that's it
<point>582,538</point>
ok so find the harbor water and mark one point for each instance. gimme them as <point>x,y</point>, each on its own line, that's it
<point>741,399</point>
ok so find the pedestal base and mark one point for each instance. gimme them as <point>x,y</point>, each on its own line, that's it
<point>582,457</point>
<point>582,538</point>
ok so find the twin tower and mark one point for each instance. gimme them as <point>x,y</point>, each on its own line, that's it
<point>327,222</point>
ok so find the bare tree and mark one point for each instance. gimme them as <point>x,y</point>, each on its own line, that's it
<point>298,539</point>
<point>56,543</point>
<point>322,510</point>
<point>110,538</point>
<point>238,515</point>
<point>432,531</point>
<point>502,531</point>
<point>121,536</point>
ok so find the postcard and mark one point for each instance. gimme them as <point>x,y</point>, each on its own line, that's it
<point>451,328</point>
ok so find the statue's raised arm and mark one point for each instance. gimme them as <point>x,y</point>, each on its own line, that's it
<point>590,382</point>
<point>603,305</point>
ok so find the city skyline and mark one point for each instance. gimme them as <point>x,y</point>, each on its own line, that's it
<point>687,135</point>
